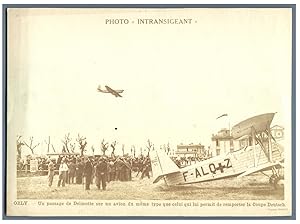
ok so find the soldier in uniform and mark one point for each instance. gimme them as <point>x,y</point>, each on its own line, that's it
<point>101,173</point>
<point>88,172</point>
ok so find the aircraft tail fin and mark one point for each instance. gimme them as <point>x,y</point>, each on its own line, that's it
<point>161,165</point>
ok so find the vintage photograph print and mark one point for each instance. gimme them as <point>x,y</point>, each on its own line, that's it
<point>149,112</point>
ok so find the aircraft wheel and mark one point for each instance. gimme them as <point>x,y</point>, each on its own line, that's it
<point>272,179</point>
<point>276,181</point>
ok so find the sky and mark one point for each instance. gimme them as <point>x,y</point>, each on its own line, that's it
<point>177,79</point>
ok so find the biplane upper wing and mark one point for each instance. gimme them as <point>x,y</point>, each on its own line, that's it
<point>258,123</point>
<point>266,155</point>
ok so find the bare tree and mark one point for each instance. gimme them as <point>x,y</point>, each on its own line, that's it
<point>133,150</point>
<point>141,150</point>
<point>72,147</point>
<point>93,150</point>
<point>30,145</point>
<point>66,141</point>
<point>82,144</point>
<point>150,146</point>
<point>113,145</point>
<point>19,146</point>
<point>123,149</point>
<point>63,150</point>
<point>104,146</point>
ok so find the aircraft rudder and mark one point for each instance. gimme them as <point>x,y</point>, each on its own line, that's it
<point>161,164</point>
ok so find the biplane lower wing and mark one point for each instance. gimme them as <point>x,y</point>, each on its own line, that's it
<point>259,168</point>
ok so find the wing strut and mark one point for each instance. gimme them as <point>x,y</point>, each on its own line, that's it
<point>270,145</point>
<point>253,145</point>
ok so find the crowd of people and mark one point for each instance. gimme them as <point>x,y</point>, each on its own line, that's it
<point>24,164</point>
<point>99,169</point>
<point>86,170</point>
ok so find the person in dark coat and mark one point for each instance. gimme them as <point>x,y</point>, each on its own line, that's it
<point>146,168</point>
<point>88,172</point>
<point>128,169</point>
<point>101,173</point>
<point>118,168</point>
<point>79,171</point>
<point>111,171</point>
<point>72,169</point>
<point>125,170</point>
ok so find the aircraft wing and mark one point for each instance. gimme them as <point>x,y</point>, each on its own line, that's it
<point>262,167</point>
<point>101,90</point>
<point>259,123</point>
<point>115,93</point>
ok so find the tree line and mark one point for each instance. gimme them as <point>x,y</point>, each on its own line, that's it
<point>69,146</point>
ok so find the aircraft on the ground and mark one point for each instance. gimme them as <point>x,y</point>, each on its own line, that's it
<point>263,153</point>
<point>116,93</point>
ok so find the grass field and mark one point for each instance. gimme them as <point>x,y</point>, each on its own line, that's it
<point>255,187</point>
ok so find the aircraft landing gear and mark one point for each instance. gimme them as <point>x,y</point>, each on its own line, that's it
<point>274,179</point>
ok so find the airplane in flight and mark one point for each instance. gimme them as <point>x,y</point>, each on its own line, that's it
<point>116,93</point>
<point>262,154</point>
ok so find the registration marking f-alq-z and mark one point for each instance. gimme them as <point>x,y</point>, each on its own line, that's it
<point>262,154</point>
